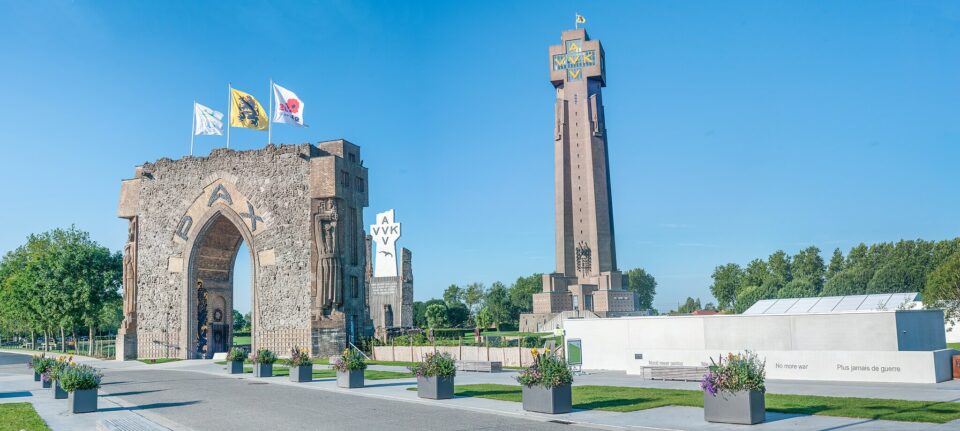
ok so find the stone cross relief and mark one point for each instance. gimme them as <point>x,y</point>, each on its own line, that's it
<point>583,258</point>
<point>252,215</point>
<point>385,234</point>
<point>329,278</point>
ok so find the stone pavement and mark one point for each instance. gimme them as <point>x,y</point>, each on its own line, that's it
<point>146,385</point>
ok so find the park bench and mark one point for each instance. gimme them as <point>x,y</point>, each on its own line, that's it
<point>687,374</point>
<point>485,366</point>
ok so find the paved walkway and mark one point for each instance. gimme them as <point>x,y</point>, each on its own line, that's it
<point>200,395</point>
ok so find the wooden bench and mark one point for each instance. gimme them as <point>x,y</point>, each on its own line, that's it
<point>484,366</point>
<point>687,374</point>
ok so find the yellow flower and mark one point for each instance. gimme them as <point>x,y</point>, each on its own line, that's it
<point>534,352</point>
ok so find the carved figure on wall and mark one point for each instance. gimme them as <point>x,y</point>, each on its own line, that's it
<point>130,278</point>
<point>329,273</point>
<point>583,258</point>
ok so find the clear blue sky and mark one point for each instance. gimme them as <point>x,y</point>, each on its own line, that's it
<point>735,128</point>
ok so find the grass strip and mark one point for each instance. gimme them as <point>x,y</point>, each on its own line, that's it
<point>326,373</point>
<point>20,416</point>
<point>159,360</point>
<point>626,399</point>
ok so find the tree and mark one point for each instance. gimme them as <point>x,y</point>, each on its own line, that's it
<point>689,306</point>
<point>420,312</point>
<point>497,301</point>
<point>779,265</point>
<point>726,281</point>
<point>808,265</point>
<point>750,295</point>
<point>483,318</point>
<point>473,296</point>
<point>436,316</point>
<point>756,272</point>
<point>644,287</point>
<point>521,293</point>
<point>457,315</point>
<point>238,321</point>
<point>943,289</point>
<point>852,281</point>
<point>897,276</point>
<point>453,295</point>
<point>798,288</point>
<point>836,264</point>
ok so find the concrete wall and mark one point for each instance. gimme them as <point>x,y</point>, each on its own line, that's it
<point>893,346</point>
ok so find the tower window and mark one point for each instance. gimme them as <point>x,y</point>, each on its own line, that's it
<point>345,178</point>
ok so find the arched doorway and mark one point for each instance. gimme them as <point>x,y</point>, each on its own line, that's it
<point>210,280</point>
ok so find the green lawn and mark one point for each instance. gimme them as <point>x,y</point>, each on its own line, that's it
<point>20,416</point>
<point>953,346</point>
<point>241,340</point>
<point>159,360</point>
<point>623,399</point>
<point>327,373</point>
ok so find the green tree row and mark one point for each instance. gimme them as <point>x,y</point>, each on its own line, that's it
<point>60,280</point>
<point>476,305</point>
<point>904,266</point>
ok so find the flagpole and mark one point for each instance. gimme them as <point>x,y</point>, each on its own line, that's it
<point>270,116</point>
<point>576,21</point>
<point>193,127</point>
<point>229,107</point>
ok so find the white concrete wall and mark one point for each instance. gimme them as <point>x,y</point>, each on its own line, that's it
<point>856,346</point>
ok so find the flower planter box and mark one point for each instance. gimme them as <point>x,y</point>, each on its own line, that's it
<point>83,401</point>
<point>435,388</point>
<point>350,379</point>
<point>58,392</point>
<point>263,370</point>
<point>36,376</point>
<point>547,400</point>
<point>236,367</point>
<point>303,373</point>
<point>742,407</point>
<point>46,383</point>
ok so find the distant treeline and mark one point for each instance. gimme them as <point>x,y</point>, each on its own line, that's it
<point>904,266</point>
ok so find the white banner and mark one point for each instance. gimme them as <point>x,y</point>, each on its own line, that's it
<point>206,121</point>
<point>288,108</point>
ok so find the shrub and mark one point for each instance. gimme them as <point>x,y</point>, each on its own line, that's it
<point>740,372</point>
<point>237,354</point>
<point>436,364</point>
<point>80,377</point>
<point>548,370</point>
<point>263,356</point>
<point>350,360</point>
<point>298,357</point>
<point>41,364</point>
<point>60,365</point>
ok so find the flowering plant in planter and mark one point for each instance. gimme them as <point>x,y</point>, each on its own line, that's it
<point>236,354</point>
<point>548,370</point>
<point>738,372</point>
<point>263,356</point>
<point>298,358</point>
<point>435,365</point>
<point>41,365</point>
<point>350,360</point>
<point>80,377</point>
<point>60,365</point>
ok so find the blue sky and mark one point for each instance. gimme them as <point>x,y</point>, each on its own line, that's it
<point>735,128</point>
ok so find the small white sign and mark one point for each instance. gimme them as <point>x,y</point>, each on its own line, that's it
<point>385,233</point>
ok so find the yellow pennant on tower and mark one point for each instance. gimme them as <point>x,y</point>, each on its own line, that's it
<point>245,111</point>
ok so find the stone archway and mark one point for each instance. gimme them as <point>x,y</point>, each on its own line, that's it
<point>212,254</point>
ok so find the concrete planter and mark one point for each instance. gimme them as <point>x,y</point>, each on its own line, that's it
<point>303,373</point>
<point>548,400</point>
<point>58,392</point>
<point>263,370</point>
<point>83,401</point>
<point>236,367</point>
<point>36,376</point>
<point>46,383</point>
<point>435,388</point>
<point>743,407</point>
<point>350,379</point>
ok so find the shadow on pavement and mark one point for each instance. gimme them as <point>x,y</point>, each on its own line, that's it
<point>390,384</point>
<point>120,394</point>
<point>149,406</point>
<point>15,394</point>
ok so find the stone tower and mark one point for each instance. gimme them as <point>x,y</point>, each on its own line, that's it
<point>586,277</point>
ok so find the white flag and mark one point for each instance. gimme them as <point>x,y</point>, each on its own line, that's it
<point>289,107</point>
<point>206,121</point>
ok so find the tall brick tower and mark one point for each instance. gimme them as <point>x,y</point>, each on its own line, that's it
<point>586,277</point>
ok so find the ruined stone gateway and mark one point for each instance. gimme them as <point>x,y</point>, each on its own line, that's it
<point>299,209</point>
